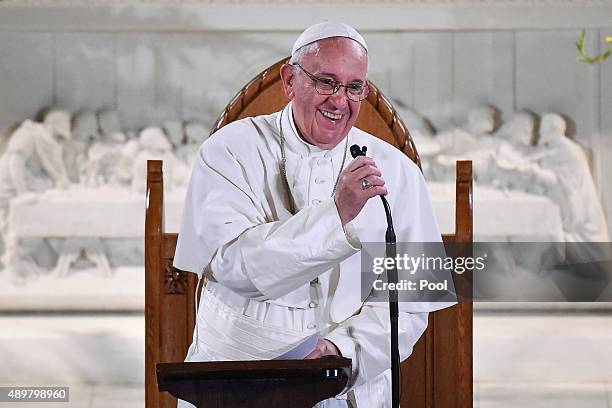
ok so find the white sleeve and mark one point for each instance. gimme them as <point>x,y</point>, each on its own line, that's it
<point>225,231</point>
<point>270,260</point>
<point>366,339</point>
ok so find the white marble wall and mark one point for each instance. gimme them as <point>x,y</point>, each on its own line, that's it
<point>153,74</point>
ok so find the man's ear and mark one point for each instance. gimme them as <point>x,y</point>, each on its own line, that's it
<point>287,76</point>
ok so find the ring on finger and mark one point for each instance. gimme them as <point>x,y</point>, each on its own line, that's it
<point>365,184</point>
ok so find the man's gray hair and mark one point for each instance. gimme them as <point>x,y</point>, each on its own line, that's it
<point>313,48</point>
<point>298,56</point>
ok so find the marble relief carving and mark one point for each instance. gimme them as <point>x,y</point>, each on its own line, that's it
<point>57,170</point>
<point>514,157</point>
<point>75,167</point>
<point>31,163</point>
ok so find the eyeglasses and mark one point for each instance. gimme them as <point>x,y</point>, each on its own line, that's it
<point>326,86</point>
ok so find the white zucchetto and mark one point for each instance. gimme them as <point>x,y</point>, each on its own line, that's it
<point>327,29</point>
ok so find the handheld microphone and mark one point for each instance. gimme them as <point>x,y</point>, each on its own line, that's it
<point>357,151</point>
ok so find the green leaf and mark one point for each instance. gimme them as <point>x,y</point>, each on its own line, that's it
<point>603,56</point>
<point>582,36</point>
<point>582,55</point>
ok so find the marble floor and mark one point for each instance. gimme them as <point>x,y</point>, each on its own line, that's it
<point>535,360</point>
<point>543,360</point>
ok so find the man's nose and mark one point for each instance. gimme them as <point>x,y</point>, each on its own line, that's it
<point>340,98</point>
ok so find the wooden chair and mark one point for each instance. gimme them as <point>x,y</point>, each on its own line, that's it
<point>438,374</point>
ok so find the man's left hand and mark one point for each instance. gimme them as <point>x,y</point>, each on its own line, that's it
<point>323,348</point>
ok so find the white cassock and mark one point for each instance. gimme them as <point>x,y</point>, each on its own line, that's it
<point>277,278</point>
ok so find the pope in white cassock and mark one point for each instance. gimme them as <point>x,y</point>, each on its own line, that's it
<point>275,215</point>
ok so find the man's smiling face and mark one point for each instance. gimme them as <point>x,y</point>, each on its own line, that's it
<point>324,120</point>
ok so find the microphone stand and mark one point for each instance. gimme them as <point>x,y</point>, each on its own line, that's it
<point>390,252</point>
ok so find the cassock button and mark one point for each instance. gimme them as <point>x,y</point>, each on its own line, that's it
<point>312,326</point>
<point>319,180</point>
<point>312,305</point>
<point>321,162</point>
<point>316,201</point>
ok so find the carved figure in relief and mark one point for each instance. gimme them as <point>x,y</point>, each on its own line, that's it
<point>110,126</point>
<point>154,145</point>
<point>420,127</point>
<point>102,156</point>
<point>31,163</point>
<point>473,142</point>
<point>457,141</point>
<point>562,168</point>
<point>105,153</point>
<point>516,138</point>
<point>85,131</point>
<point>58,123</point>
<point>122,168</point>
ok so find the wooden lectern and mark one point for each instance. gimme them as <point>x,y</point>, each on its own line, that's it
<point>255,384</point>
<point>438,374</point>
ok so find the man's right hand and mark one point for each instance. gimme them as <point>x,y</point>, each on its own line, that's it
<point>350,195</point>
